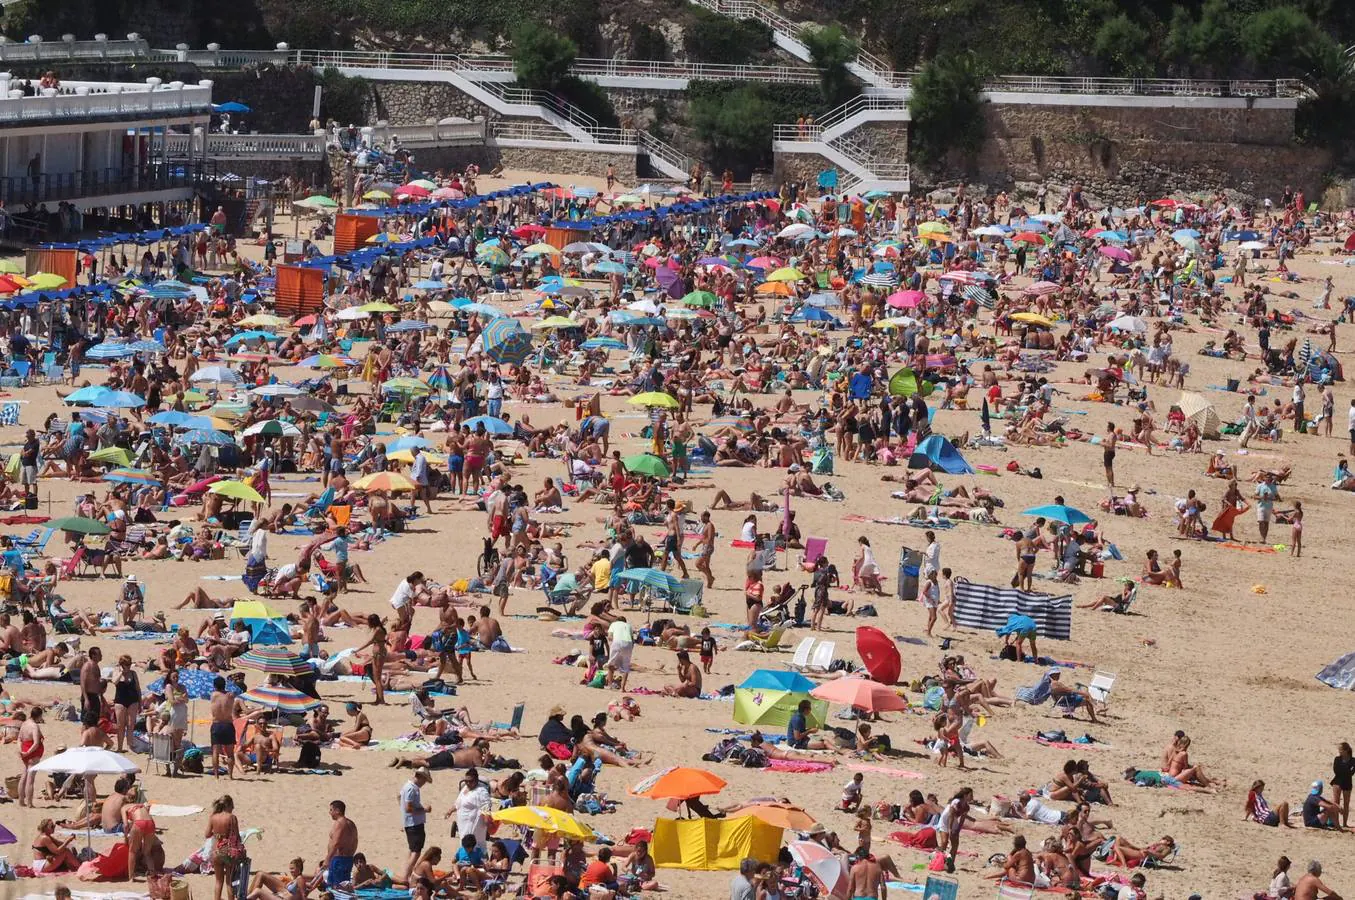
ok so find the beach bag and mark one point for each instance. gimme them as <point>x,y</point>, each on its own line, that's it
<point>754,758</point>
<point>309,757</point>
<point>438,642</point>
<point>821,463</point>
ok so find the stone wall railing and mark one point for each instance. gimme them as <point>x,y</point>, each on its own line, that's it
<point>77,100</point>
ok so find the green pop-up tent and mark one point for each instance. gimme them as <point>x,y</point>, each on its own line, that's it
<point>768,698</point>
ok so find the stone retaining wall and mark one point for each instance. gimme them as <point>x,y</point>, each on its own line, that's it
<point>415,102</point>
<point>574,161</point>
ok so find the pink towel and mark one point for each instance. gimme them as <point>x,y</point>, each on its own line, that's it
<point>798,765</point>
<point>884,770</point>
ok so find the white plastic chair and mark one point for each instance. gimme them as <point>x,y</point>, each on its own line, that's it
<point>823,656</point>
<point>802,653</point>
<point>1099,689</point>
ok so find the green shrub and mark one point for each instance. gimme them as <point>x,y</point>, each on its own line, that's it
<point>714,38</point>
<point>541,55</point>
<point>946,108</point>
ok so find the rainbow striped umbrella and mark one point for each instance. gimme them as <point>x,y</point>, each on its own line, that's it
<point>441,379</point>
<point>274,661</point>
<point>131,476</point>
<point>282,699</point>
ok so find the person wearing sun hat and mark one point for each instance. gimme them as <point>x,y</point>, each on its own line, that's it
<point>555,732</point>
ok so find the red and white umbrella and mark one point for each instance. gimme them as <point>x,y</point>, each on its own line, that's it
<point>822,865</point>
<point>1042,287</point>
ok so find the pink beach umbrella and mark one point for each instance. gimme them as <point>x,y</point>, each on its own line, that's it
<point>906,299</point>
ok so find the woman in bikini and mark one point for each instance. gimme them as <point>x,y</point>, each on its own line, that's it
<point>30,751</point>
<point>377,643</point>
<point>356,738</point>
<point>143,847</point>
<point>51,855</point>
<point>1128,856</point>
<point>227,847</point>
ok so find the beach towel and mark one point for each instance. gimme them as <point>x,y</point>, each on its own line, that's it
<point>1037,693</point>
<point>798,766</point>
<point>987,608</point>
<point>168,811</point>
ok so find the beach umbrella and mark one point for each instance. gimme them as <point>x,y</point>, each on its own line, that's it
<point>412,190</point>
<point>121,400</point>
<point>252,334</point>
<point>492,256</point>
<point>441,379</point>
<point>428,284</point>
<point>484,309</point>
<point>610,267</point>
<point>282,699</point>
<point>216,375</point>
<point>823,300</point>
<point>799,229</point>
<point>1027,237</point>
<point>604,343</point>
<point>46,281</point>
<point>316,201</point>
<point>206,437</point>
<point>87,396</point>
<point>933,228</point>
<point>263,320</point>
<point>492,425</point>
<point>328,361</point>
<point>654,579</point>
<point>1040,288</point>
<point>1128,323</point>
<point>905,383</point>
<point>554,323</point>
<point>547,819</point>
<point>812,314</point>
<point>879,654</point>
<point>236,490</point>
<point>117,456</point>
<point>654,398</point>
<point>274,661</point>
<point>646,464</point>
<point>405,385</point>
<point>1188,243</point>
<point>861,693</point>
<point>700,298</point>
<point>879,279</point>
<point>78,525</point>
<point>409,325</point>
<point>273,428</point>
<point>110,350</point>
<point>679,783</point>
<point>131,476</point>
<point>392,482</point>
<point>408,442</point>
<point>276,390</point>
<point>905,299</point>
<point>11,267</point>
<point>787,274</point>
<point>88,761</point>
<point>376,195</point>
<point>1031,318</point>
<point>768,698</point>
<point>1059,513</point>
<point>824,866</point>
<point>350,314</point>
<point>504,341</point>
<point>378,306</point>
<point>1119,254</point>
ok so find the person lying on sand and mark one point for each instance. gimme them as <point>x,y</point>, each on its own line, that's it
<point>1153,778</point>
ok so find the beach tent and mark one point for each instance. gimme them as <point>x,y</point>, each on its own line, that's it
<point>935,452</point>
<point>905,383</point>
<point>1200,411</point>
<point>266,626</point>
<point>1339,674</point>
<point>711,844</point>
<point>767,698</point>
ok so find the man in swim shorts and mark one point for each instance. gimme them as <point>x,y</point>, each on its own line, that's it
<point>223,727</point>
<point>343,843</point>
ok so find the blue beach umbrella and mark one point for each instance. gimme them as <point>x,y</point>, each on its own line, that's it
<point>493,424</point>
<point>1058,513</point>
<point>504,341</point>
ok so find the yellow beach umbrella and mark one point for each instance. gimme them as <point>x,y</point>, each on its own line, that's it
<point>1031,318</point>
<point>787,273</point>
<point>46,281</point>
<point>933,228</point>
<point>540,247</point>
<point>236,490</point>
<point>393,482</point>
<point>555,322</point>
<point>545,819</point>
<point>654,398</point>
<point>407,456</point>
<point>378,306</point>
<point>376,195</point>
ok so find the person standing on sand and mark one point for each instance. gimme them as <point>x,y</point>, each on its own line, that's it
<point>866,880</point>
<point>227,848</point>
<point>672,540</point>
<point>223,728</point>
<point>707,544</point>
<point>414,814</point>
<point>1108,454</point>
<point>343,844</point>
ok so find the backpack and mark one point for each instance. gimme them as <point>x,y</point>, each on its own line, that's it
<point>754,759</point>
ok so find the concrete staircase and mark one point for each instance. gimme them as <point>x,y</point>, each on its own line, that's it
<point>873,71</point>
<point>830,138</point>
<point>526,110</point>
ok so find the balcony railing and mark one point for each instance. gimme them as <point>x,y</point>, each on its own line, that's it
<point>246,146</point>
<point>84,100</point>
<point>20,191</point>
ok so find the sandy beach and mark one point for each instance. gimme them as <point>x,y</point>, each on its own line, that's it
<point>1230,659</point>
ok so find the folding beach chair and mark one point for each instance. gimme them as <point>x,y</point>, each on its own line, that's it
<point>940,888</point>
<point>688,595</point>
<point>515,721</point>
<point>823,657</point>
<point>800,659</point>
<point>771,643</point>
<point>23,370</point>
<point>1011,890</point>
<point>1100,688</point>
<point>815,547</point>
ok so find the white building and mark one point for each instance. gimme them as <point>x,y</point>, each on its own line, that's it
<point>98,144</point>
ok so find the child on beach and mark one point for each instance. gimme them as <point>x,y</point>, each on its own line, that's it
<point>948,597</point>
<point>862,828</point>
<point>851,793</point>
<point>931,599</point>
<point>1296,530</point>
<point>707,650</point>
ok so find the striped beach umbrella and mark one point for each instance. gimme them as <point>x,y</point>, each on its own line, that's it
<point>274,661</point>
<point>653,579</point>
<point>284,700</point>
<point>504,341</point>
<point>131,476</point>
<point>441,379</point>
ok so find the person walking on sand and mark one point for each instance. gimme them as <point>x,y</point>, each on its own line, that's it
<point>222,729</point>
<point>227,848</point>
<point>1108,454</point>
<point>707,544</point>
<point>672,540</point>
<point>343,844</point>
